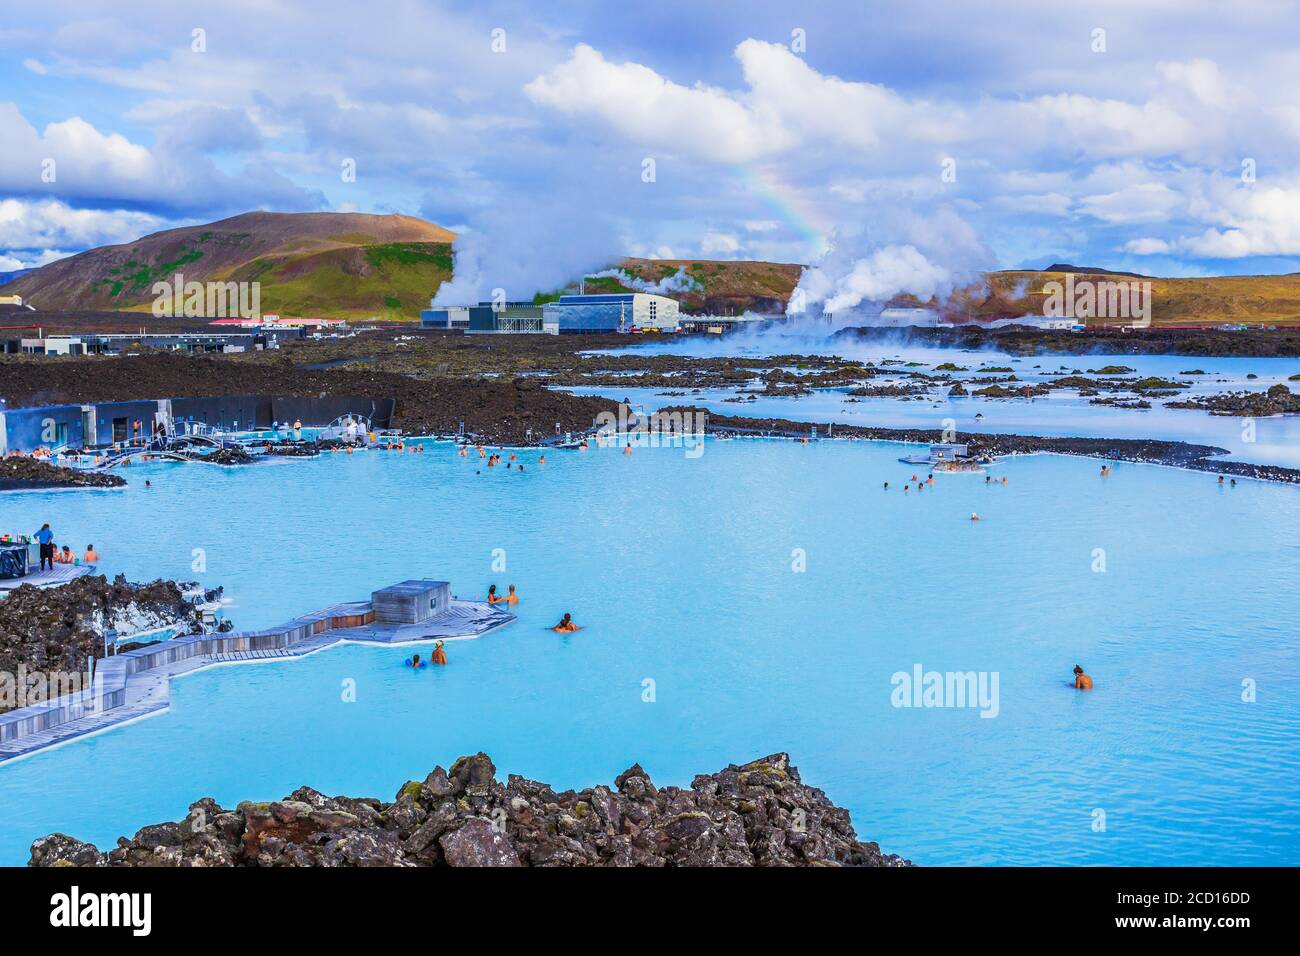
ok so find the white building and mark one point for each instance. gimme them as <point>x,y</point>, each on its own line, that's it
<point>614,312</point>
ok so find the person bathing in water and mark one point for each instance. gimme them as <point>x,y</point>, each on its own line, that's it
<point>493,597</point>
<point>438,656</point>
<point>511,597</point>
<point>414,661</point>
<point>566,625</point>
<point>1081,680</point>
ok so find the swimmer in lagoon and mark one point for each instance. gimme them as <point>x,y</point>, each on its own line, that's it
<point>566,625</point>
<point>1081,680</point>
<point>438,656</point>
<point>414,662</point>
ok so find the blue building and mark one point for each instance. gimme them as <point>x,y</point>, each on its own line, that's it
<point>614,312</point>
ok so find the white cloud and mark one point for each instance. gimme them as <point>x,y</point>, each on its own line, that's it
<point>72,160</point>
<point>1098,127</point>
<point>1144,202</point>
<point>1201,78</point>
<point>649,109</point>
<point>49,224</point>
<point>82,154</point>
<point>1051,204</point>
<point>1259,221</point>
<point>723,243</point>
<point>1147,247</point>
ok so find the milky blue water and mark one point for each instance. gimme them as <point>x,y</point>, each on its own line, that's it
<point>684,572</point>
<point>1265,441</point>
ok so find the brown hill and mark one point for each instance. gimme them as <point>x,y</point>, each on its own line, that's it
<point>1213,300</point>
<point>361,266</point>
<point>338,264</point>
<point>722,287</point>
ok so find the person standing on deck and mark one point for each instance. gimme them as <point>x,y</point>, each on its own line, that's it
<point>45,537</point>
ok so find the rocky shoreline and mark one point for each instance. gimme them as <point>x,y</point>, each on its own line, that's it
<point>1278,400</point>
<point>507,409</point>
<point>755,814</point>
<point>25,474</point>
<point>1280,342</point>
<point>55,630</point>
<point>1141,450</point>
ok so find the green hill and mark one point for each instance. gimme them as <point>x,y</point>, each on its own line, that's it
<point>336,265</point>
<point>361,266</point>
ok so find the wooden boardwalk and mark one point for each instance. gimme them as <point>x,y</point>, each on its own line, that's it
<point>137,684</point>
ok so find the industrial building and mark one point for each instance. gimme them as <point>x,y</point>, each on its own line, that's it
<point>487,318</point>
<point>105,424</point>
<point>719,324</point>
<point>614,312</point>
<point>445,317</point>
<point>114,343</point>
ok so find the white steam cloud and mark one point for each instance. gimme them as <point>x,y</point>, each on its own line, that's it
<point>929,258</point>
<point>679,281</point>
<point>524,250</point>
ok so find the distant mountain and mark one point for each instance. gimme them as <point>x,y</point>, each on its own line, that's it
<point>7,277</point>
<point>346,265</point>
<point>359,266</point>
<point>1090,270</point>
<point>1209,300</point>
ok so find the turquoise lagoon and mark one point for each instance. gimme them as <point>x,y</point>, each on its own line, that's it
<point>684,571</point>
<point>1267,441</point>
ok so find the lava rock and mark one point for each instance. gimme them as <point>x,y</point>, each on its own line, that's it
<point>754,814</point>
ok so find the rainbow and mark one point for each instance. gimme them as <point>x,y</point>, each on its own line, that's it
<point>789,206</point>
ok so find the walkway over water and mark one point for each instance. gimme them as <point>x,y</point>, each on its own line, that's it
<point>136,684</point>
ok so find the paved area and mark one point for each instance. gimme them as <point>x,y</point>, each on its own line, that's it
<point>62,574</point>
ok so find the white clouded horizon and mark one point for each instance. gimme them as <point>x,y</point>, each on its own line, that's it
<point>1129,158</point>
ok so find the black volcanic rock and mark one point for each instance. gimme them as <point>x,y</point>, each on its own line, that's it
<point>754,814</point>
<point>54,630</point>
<point>27,473</point>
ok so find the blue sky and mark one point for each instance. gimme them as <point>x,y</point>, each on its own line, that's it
<point>898,144</point>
